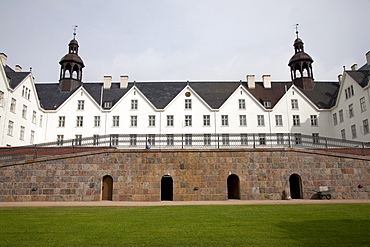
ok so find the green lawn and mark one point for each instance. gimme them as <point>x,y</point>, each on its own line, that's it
<point>241,225</point>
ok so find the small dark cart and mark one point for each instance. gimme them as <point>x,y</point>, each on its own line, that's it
<point>324,194</point>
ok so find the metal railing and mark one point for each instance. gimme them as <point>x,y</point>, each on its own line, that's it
<point>183,141</point>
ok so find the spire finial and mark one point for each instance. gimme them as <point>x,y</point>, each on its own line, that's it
<point>74,31</point>
<point>296,29</point>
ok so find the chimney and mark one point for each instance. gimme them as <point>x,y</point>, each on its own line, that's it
<point>3,58</point>
<point>123,81</point>
<point>266,81</point>
<point>354,67</point>
<point>340,78</point>
<point>18,68</point>
<point>107,81</point>
<point>368,58</point>
<point>251,82</point>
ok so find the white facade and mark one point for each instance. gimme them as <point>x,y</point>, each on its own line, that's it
<point>81,115</point>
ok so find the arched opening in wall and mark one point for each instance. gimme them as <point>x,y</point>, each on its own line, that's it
<point>167,188</point>
<point>107,188</point>
<point>233,188</point>
<point>295,183</point>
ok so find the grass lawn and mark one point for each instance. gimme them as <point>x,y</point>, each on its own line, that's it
<point>239,225</point>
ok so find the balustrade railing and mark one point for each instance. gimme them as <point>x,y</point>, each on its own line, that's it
<point>183,141</point>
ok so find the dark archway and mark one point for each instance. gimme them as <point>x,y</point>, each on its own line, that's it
<point>295,183</point>
<point>167,188</point>
<point>233,189</point>
<point>107,188</point>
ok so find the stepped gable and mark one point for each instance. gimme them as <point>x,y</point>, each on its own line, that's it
<point>50,95</point>
<point>15,77</point>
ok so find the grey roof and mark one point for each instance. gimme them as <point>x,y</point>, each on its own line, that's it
<point>324,94</point>
<point>361,76</point>
<point>14,77</point>
<point>50,96</point>
<point>160,94</point>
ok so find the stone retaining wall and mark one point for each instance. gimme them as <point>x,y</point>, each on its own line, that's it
<point>196,175</point>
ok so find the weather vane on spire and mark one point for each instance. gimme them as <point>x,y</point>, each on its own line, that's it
<point>74,31</point>
<point>296,29</point>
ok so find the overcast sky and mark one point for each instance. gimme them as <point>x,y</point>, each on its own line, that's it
<point>184,39</point>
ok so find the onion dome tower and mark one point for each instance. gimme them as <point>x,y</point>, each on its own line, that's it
<point>301,66</point>
<point>71,67</point>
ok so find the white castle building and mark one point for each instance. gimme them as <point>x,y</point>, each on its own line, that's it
<point>32,113</point>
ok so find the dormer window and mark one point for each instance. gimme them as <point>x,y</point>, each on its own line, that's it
<point>107,104</point>
<point>267,103</point>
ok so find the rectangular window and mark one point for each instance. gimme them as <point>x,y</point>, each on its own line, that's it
<point>41,120</point>
<point>107,104</point>
<point>262,138</point>
<point>188,120</point>
<point>206,120</point>
<point>10,128</point>
<point>115,121</point>
<point>170,140</point>
<point>114,140</point>
<point>296,121</point>
<point>61,121</point>
<point>280,138</point>
<point>224,120</point>
<point>294,104</point>
<point>21,133</point>
<point>96,140</point>
<point>34,117</point>
<point>298,138</point>
<point>133,139</point>
<point>188,139</point>
<point>1,99</point>
<point>60,139</point>
<point>362,104</point>
<point>315,138</point>
<point>78,140</point>
<point>206,139</point>
<point>267,103</point>
<point>343,134</point>
<point>32,138</point>
<point>341,117</point>
<point>96,121</point>
<point>133,121</point>
<point>314,120</point>
<point>225,139</point>
<point>279,120</point>
<point>134,104</point>
<point>81,105</point>
<point>354,132</point>
<point>187,103</point>
<point>244,139</point>
<point>152,121</point>
<point>242,104</point>
<point>335,119</point>
<point>24,112</point>
<point>79,121</point>
<point>351,112</point>
<point>260,120</point>
<point>12,105</point>
<point>170,120</point>
<point>365,124</point>
<point>243,120</point>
